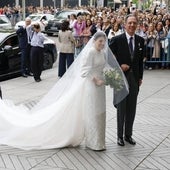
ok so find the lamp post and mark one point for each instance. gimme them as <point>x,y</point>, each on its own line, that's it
<point>41,3</point>
<point>79,3</point>
<point>54,3</point>
<point>17,2</point>
<point>23,9</point>
<point>62,3</point>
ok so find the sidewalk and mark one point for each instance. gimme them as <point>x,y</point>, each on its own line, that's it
<point>151,131</point>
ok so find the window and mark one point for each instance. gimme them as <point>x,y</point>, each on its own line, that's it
<point>12,41</point>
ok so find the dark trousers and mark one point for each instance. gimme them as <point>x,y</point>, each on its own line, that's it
<point>126,109</point>
<point>28,59</point>
<point>36,61</point>
<point>25,60</point>
<point>65,59</point>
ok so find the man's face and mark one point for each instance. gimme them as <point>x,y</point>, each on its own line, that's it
<point>131,25</point>
<point>27,22</point>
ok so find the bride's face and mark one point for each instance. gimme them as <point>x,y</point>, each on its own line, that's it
<point>100,43</point>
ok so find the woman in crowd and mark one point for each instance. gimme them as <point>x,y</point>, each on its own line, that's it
<point>79,26</point>
<point>87,31</point>
<point>160,34</point>
<point>159,43</point>
<point>66,51</point>
<point>106,26</point>
<point>72,21</point>
<point>167,25</point>
<point>152,35</point>
<point>114,31</point>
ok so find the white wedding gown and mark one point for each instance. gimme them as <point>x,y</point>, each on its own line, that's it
<point>64,119</point>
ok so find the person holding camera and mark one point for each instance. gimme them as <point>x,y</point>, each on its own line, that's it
<point>37,48</point>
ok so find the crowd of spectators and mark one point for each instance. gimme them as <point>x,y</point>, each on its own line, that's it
<point>153,26</point>
<point>15,13</point>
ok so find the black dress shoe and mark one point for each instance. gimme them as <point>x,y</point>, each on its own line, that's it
<point>130,140</point>
<point>37,80</point>
<point>24,75</point>
<point>120,142</point>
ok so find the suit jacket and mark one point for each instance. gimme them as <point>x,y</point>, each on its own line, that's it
<point>22,37</point>
<point>120,48</point>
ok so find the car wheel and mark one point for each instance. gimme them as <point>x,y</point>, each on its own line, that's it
<point>48,61</point>
<point>49,34</point>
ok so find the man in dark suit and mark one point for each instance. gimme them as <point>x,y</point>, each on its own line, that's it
<point>128,49</point>
<point>24,44</point>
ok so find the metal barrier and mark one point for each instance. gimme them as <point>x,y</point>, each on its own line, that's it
<point>160,60</point>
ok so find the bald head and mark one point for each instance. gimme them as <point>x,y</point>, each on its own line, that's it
<point>27,21</point>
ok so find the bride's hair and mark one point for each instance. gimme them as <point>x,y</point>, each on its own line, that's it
<point>98,35</point>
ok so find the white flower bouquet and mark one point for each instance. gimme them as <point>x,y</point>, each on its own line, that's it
<point>113,78</point>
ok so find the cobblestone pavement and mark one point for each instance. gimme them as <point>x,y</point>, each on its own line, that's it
<point>151,131</point>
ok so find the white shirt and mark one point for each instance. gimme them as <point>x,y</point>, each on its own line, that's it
<point>38,40</point>
<point>113,33</point>
<point>29,33</point>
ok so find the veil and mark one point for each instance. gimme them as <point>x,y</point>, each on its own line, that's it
<point>73,76</point>
<point>58,120</point>
<point>67,85</point>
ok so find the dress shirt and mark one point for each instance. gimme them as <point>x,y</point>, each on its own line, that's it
<point>37,40</point>
<point>29,33</point>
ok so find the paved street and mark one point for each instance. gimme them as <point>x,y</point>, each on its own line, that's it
<point>151,130</point>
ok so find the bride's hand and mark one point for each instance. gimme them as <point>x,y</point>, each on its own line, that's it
<point>98,82</point>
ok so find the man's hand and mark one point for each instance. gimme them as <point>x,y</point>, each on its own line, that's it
<point>140,82</point>
<point>125,67</point>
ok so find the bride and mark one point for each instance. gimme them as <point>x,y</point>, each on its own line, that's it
<point>74,109</point>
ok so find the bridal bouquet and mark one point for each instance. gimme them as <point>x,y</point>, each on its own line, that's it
<point>113,78</point>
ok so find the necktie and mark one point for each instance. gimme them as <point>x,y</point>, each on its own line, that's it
<point>131,45</point>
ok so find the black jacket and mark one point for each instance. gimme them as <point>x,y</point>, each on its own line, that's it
<point>22,36</point>
<point>120,48</point>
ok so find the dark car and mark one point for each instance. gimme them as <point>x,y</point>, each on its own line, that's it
<point>10,54</point>
<point>54,25</point>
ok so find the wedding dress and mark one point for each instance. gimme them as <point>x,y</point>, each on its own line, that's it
<point>73,110</point>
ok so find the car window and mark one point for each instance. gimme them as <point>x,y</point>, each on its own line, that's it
<point>63,15</point>
<point>12,41</point>
<point>50,17</point>
<point>35,17</point>
<point>3,20</point>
